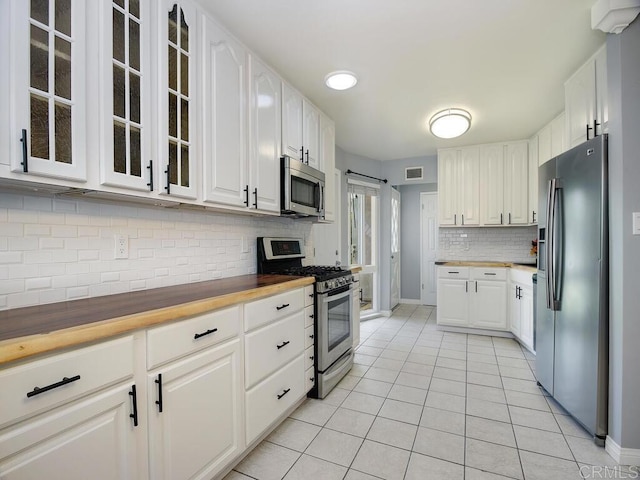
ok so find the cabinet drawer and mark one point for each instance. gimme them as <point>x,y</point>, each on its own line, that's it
<point>521,276</point>
<point>270,347</point>
<point>453,272</point>
<point>309,379</point>
<point>308,295</point>
<point>266,310</point>
<point>309,358</point>
<point>308,337</point>
<point>308,316</point>
<point>183,337</point>
<point>92,368</point>
<point>271,398</point>
<point>488,274</point>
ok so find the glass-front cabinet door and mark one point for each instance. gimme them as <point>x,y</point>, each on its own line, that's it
<point>126,159</point>
<point>47,98</point>
<point>177,95</point>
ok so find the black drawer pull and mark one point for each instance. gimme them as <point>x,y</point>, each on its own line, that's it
<point>311,316</point>
<point>284,305</point>
<point>25,154</point>
<point>311,357</point>
<point>150,168</point>
<point>134,399</point>
<point>486,273</point>
<point>311,295</point>
<point>454,272</point>
<point>311,336</point>
<point>311,379</point>
<point>64,381</point>
<point>284,344</point>
<point>284,393</point>
<point>159,401</point>
<point>208,332</point>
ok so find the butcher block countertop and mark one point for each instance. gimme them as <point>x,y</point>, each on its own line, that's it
<point>32,330</point>
<point>467,263</point>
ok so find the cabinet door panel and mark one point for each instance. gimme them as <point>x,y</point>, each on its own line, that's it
<point>291,122</point>
<point>225,167</point>
<point>327,165</point>
<point>469,186</point>
<point>198,430</point>
<point>533,180</point>
<point>488,305</point>
<point>526,316</point>
<point>311,134</point>
<point>492,198</point>
<point>265,135</point>
<point>580,94</point>
<point>516,184</point>
<point>93,438</point>
<point>515,319</point>
<point>47,93</point>
<point>448,186</point>
<point>453,302</point>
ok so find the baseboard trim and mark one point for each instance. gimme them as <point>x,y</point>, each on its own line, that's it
<point>476,331</point>
<point>385,313</point>
<point>624,456</point>
<point>410,301</point>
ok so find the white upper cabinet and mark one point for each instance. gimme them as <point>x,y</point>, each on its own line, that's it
<point>586,103</point>
<point>328,161</point>
<point>125,74</point>
<point>46,92</point>
<point>448,186</point>
<point>533,180</point>
<point>493,180</point>
<point>459,186</point>
<point>225,123</point>
<point>516,184</point>
<point>311,134</point>
<point>292,122</point>
<point>177,99</point>
<point>469,186</point>
<point>265,133</point>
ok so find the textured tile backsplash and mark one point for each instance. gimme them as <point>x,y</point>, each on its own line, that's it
<point>55,249</point>
<point>503,244</point>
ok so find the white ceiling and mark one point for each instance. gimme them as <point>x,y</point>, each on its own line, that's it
<point>503,60</point>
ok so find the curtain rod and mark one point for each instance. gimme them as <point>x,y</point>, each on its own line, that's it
<point>351,172</point>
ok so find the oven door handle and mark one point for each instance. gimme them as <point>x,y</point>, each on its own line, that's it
<point>333,294</point>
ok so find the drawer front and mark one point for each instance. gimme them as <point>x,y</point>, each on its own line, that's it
<point>262,354</point>
<point>308,295</point>
<point>309,379</point>
<point>309,358</point>
<point>308,337</point>
<point>266,310</point>
<point>308,316</point>
<point>184,337</point>
<point>271,398</point>
<point>453,272</point>
<point>488,273</point>
<point>521,276</point>
<point>96,366</point>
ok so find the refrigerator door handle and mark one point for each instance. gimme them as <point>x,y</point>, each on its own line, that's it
<point>549,254</point>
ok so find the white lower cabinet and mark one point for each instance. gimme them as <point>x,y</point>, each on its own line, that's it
<point>521,306</point>
<point>195,414</point>
<point>472,297</point>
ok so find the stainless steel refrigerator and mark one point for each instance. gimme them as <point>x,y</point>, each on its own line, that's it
<point>572,322</point>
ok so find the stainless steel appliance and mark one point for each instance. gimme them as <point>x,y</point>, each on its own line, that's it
<point>572,321</point>
<point>302,189</point>
<point>334,287</point>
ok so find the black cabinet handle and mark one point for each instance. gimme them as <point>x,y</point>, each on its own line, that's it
<point>246,195</point>
<point>150,168</point>
<point>534,216</point>
<point>64,381</point>
<point>255,197</point>
<point>509,218</point>
<point>208,332</point>
<point>311,336</point>
<point>284,393</point>
<point>454,272</point>
<point>311,316</point>
<point>159,401</point>
<point>311,295</point>
<point>489,273</point>
<point>168,172</point>
<point>500,219</point>
<point>134,399</point>
<point>307,156</point>
<point>476,287</point>
<point>284,305</point>
<point>466,286</point>
<point>595,127</point>
<point>311,357</point>
<point>455,219</point>
<point>588,129</point>
<point>302,154</point>
<point>462,219</point>
<point>284,344</point>
<point>25,153</point>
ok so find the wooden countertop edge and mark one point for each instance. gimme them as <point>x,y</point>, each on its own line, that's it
<point>460,263</point>
<point>22,347</point>
<point>355,268</point>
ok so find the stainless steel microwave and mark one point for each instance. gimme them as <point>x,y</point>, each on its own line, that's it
<point>302,189</point>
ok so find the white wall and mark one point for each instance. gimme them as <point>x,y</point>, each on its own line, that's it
<point>56,249</point>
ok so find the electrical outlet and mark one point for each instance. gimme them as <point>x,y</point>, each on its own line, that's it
<point>121,246</point>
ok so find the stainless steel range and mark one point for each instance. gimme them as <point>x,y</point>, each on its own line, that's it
<point>333,299</point>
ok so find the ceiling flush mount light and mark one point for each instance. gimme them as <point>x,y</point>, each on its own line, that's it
<point>341,80</point>
<point>450,123</point>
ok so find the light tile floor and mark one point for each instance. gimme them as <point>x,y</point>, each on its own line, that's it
<point>424,404</point>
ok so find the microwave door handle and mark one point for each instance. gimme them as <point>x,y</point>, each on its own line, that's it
<point>321,204</point>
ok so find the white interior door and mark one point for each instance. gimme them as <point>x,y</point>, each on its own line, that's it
<point>395,248</point>
<point>326,236</point>
<point>429,247</point>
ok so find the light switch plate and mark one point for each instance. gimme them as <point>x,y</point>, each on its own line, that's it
<point>636,223</point>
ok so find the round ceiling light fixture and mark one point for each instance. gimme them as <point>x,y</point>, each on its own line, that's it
<point>341,80</point>
<point>450,123</point>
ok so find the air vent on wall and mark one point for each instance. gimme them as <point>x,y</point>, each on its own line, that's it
<point>413,173</point>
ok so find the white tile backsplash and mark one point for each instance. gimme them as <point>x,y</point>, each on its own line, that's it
<point>55,249</point>
<point>500,244</point>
